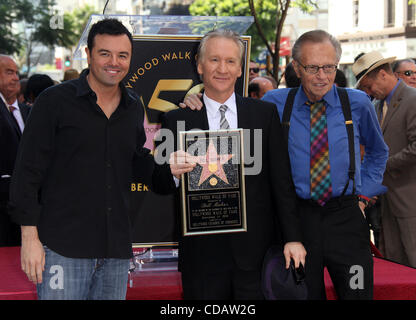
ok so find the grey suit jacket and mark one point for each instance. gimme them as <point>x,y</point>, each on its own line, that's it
<point>399,130</point>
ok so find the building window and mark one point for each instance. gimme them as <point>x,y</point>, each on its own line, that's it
<point>390,13</point>
<point>355,7</point>
<point>411,14</point>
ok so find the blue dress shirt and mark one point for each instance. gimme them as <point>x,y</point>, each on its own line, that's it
<point>369,172</point>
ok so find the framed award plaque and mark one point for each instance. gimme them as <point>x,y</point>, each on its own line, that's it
<point>213,194</point>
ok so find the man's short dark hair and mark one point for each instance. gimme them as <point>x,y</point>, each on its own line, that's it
<point>253,87</point>
<point>107,26</point>
<point>292,80</point>
<point>35,86</point>
<point>340,79</point>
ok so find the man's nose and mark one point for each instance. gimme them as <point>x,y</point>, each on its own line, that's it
<point>114,60</point>
<point>321,73</point>
<point>223,66</point>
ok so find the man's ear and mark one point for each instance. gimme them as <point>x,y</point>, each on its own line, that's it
<point>382,74</point>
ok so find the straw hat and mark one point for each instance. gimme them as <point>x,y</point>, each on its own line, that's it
<point>368,62</point>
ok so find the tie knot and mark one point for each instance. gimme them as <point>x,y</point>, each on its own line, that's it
<point>223,108</point>
<point>315,104</point>
<point>12,108</point>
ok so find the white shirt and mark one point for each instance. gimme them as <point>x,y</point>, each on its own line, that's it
<point>16,113</point>
<point>214,115</point>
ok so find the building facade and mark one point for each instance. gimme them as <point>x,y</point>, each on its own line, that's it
<point>387,26</point>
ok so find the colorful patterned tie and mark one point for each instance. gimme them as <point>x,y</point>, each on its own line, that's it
<point>223,121</point>
<point>321,189</point>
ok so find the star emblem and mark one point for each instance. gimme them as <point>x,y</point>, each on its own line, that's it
<point>212,164</point>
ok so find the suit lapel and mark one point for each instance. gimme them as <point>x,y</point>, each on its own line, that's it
<point>201,118</point>
<point>243,113</point>
<point>394,104</point>
<point>8,117</point>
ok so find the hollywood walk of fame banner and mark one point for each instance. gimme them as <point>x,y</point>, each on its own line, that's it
<point>213,194</point>
<point>162,72</point>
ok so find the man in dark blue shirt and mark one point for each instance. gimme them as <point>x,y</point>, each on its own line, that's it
<point>335,231</point>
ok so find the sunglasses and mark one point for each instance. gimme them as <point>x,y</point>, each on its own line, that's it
<point>408,73</point>
<point>255,70</point>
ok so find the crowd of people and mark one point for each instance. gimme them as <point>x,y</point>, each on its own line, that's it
<point>70,150</point>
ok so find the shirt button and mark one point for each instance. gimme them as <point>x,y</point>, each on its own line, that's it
<point>109,209</point>
<point>109,187</point>
<point>108,165</point>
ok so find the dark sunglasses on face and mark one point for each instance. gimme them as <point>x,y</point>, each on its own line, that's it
<point>408,73</point>
<point>255,70</point>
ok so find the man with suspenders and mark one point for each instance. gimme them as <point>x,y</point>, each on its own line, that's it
<point>324,127</point>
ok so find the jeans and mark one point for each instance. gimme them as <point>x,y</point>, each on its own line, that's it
<point>83,279</point>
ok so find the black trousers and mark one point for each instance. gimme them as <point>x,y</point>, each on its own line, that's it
<point>337,237</point>
<point>232,284</point>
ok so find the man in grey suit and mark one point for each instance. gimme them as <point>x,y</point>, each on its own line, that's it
<point>396,108</point>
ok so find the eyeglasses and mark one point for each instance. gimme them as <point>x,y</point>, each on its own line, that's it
<point>328,68</point>
<point>407,73</point>
<point>255,70</point>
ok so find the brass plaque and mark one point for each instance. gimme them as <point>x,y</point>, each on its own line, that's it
<point>213,194</point>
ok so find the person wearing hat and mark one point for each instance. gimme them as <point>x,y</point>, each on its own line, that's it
<point>395,106</point>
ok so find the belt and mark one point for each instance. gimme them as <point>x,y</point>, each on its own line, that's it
<point>332,203</point>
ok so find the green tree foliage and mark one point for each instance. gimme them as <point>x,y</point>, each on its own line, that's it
<point>25,24</point>
<point>269,17</point>
<point>11,11</point>
<point>78,20</point>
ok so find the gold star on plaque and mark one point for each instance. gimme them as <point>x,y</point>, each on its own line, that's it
<point>212,164</point>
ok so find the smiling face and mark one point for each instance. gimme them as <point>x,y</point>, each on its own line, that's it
<point>109,59</point>
<point>318,54</point>
<point>220,66</point>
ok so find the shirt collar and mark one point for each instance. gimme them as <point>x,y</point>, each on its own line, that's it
<point>83,89</point>
<point>390,95</point>
<point>14,104</point>
<point>213,106</point>
<point>331,97</point>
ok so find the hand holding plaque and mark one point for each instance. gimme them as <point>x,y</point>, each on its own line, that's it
<point>213,193</point>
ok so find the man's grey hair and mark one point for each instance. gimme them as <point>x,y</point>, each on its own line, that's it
<point>397,64</point>
<point>220,33</point>
<point>315,36</point>
<point>4,57</point>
